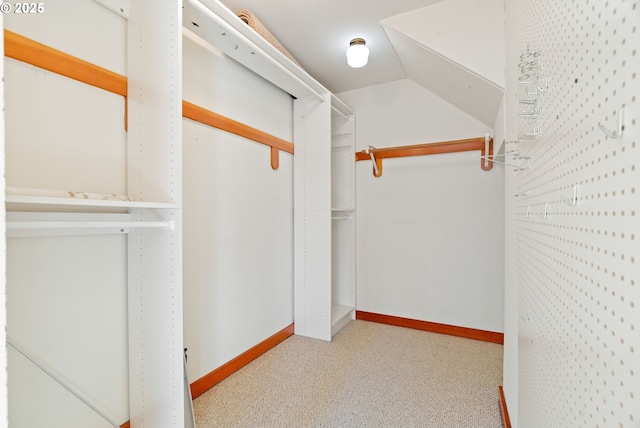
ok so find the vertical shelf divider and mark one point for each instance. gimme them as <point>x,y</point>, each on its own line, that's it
<point>312,217</point>
<point>156,382</point>
<point>324,244</point>
<point>343,274</point>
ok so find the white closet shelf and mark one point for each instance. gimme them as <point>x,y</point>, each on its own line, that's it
<point>340,316</point>
<point>43,203</point>
<point>340,108</point>
<point>216,24</point>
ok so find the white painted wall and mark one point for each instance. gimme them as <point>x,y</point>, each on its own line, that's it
<point>66,306</point>
<point>67,295</point>
<point>86,24</point>
<point>238,213</point>
<point>430,230</point>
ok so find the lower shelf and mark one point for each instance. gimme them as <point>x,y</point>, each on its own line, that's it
<point>340,316</point>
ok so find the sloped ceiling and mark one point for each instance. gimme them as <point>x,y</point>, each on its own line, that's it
<point>317,34</point>
<point>455,84</point>
<point>455,49</point>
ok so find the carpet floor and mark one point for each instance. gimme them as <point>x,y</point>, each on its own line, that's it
<point>370,375</point>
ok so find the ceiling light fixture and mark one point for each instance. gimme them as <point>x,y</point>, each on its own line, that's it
<point>357,53</point>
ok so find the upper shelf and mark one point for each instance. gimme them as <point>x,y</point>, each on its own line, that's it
<point>30,202</point>
<point>215,23</point>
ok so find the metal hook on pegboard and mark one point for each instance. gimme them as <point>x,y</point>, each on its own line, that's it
<point>618,133</point>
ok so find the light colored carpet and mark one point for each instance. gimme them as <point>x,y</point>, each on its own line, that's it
<point>370,375</point>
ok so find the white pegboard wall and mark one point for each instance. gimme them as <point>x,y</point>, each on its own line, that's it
<point>578,273</point>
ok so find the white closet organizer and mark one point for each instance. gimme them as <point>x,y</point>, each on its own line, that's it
<point>156,382</point>
<point>324,180</point>
<point>150,214</point>
<point>343,230</point>
<point>324,218</point>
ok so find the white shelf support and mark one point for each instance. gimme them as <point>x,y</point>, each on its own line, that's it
<point>324,220</point>
<point>312,217</point>
<point>343,275</point>
<point>154,144</point>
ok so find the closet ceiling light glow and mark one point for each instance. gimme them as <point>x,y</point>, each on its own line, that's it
<point>357,53</point>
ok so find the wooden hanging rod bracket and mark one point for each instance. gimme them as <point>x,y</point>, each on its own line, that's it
<point>26,50</point>
<point>207,117</point>
<point>472,144</point>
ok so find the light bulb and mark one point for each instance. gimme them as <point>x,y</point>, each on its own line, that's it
<point>357,53</point>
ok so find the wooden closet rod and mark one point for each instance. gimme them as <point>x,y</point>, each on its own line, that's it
<point>29,51</point>
<point>207,117</point>
<point>471,144</point>
<point>26,50</point>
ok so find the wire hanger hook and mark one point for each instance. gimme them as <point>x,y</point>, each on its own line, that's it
<point>574,199</point>
<point>376,170</point>
<point>546,211</point>
<point>618,133</point>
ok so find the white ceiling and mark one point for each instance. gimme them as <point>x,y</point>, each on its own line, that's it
<point>452,48</point>
<point>455,49</point>
<point>317,34</point>
<point>455,84</point>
